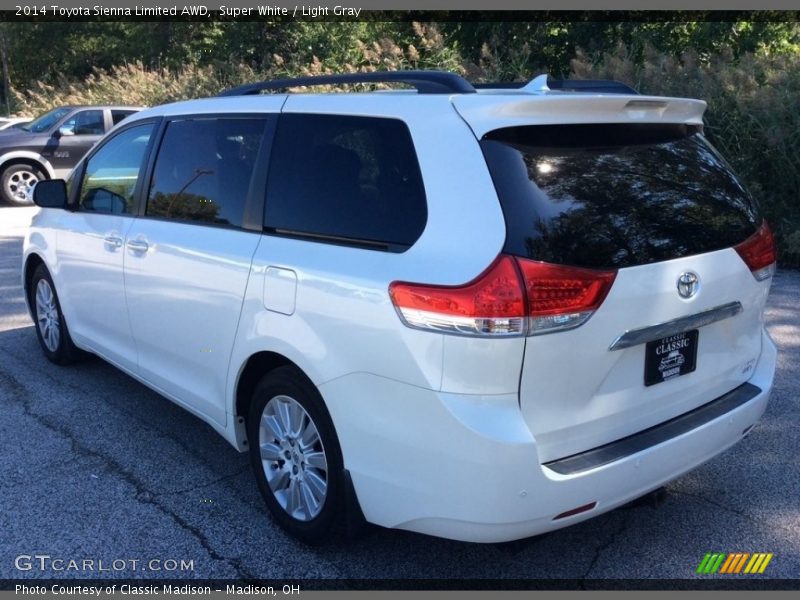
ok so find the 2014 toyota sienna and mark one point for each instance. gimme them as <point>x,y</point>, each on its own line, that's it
<point>481,314</point>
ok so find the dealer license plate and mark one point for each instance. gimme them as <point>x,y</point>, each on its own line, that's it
<point>670,357</point>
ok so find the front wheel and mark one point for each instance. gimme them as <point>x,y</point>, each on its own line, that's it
<point>51,328</point>
<point>295,454</point>
<point>17,183</point>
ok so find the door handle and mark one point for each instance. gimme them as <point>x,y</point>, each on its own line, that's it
<point>138,245</point>
<point>113,240</point>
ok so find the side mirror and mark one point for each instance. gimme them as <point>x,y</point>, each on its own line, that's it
<point>50,193</point>
<point>63,131</point>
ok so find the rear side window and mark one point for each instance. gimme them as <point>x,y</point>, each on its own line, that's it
<point>351,180</point>
<point>119,115</point>
<point>612,196</point>
<point>203,170</point>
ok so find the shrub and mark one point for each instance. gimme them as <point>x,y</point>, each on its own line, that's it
<point>134,84</point>
<point>753,117</point>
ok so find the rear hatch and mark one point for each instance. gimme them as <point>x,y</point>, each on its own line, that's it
<point>659,229</point>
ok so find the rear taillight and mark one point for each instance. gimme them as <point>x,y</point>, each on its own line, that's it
<point>493,304</point>
<point>562,297</point>
<point>759,252</point>
<point>513,297</point>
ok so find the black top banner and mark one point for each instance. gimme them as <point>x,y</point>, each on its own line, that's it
<point>41,12</point>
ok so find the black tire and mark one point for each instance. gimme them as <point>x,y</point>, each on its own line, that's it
<point>289,382</point>
<point>15,182</point>
<point>63,352</point>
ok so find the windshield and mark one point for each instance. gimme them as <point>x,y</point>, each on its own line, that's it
<point>47,120</point>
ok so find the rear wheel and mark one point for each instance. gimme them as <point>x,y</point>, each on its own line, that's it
<point>295,454</point>
<point>51,328</point>
<point>18,181</point>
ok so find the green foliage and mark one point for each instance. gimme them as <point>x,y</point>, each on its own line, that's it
<point>422,47</point>
<point>507,51</point>
<point>753,117</point>
<point>748,72</point>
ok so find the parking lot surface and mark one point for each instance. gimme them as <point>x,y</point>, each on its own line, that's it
<point>94,465</point>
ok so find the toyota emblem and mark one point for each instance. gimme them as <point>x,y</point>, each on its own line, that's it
<point>688,284</point>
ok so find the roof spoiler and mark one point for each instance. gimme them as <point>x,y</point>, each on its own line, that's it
<point>545,83</point>
<point>487,112</point>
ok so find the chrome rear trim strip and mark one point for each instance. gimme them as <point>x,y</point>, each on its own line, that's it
<point>635,337</point>
<point>626,447</point>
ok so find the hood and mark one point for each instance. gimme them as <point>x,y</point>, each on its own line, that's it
<point>17,136</point>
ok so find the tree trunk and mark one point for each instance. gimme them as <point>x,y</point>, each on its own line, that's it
<point>6,77</point>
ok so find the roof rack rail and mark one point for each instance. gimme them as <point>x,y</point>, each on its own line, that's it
<point>426,82</point>
<point>603,86</point>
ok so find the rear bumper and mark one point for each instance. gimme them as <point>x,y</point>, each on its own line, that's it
<point>467,468</point>
<point>664,432</point>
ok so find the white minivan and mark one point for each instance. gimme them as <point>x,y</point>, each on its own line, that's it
<point>480,313</point>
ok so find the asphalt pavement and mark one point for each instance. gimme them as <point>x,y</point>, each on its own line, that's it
<point>94,466</point>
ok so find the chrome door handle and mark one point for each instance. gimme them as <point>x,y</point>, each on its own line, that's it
<point>138,245</point>
<point>113,241</point>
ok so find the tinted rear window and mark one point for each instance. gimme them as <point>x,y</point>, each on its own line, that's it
<point>343,179</point>
<point>203,170</point>
<point>603,196</point>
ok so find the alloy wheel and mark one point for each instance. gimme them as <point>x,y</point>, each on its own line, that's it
<point>293,458</point>
<point>19,185</point>
<point>47,315</point>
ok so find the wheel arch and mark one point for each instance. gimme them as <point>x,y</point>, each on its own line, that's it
<point>32,262</point>
<point>253,370</point>
<point>30,158</point>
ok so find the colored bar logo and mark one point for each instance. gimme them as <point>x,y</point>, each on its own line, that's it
<point>734,563</point>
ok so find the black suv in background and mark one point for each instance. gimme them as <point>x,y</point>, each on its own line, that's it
<point>51,145</point>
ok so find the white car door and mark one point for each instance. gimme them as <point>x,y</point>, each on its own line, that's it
<point>188,256</point>
<point>90,242</point>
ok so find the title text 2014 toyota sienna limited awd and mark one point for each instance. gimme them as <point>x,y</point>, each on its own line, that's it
<point>480,314</point>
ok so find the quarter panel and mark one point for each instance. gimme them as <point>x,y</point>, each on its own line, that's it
<point>465,229</point>
<point>344,321</point>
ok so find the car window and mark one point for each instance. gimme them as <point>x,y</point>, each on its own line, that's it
<point>109,180</point>
<point>203,170</point>
<point>615,195</point>
<point>47,120</point>
<point>85,122</point>
<point>118,115</point>
<point>346,178</point>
